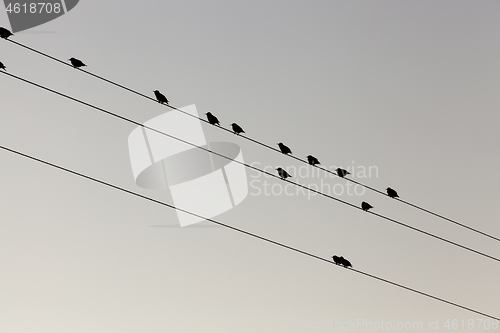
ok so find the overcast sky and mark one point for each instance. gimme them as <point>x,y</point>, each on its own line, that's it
<point>409,88</point>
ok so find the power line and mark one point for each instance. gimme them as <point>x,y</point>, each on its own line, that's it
<point>262,144</point>
<point>243,231</point>
<point>251,167</point>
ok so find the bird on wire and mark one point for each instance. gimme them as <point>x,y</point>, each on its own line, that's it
<point>341,261</point>
<point>336,260</point>
<point>284,149</point>
<point>392,193</point>
<point>283,174</point>
<point>2,66</point>
<point>4,33</point>
<point>342,172</point>
<point>212,119</point>
<point>345,262</point>
<point>76,62</point>
<point>237,129</point>
<point>160,97</point>
<point>312,160</point>
<point>365,206</point>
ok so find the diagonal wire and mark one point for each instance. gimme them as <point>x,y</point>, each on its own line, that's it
<point>261,143</point>
<point>245,232</point>
<point>252,167</point>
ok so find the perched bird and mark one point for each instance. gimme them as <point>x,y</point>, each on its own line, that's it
<point>312,160</point>
<point>342,172</point>
<point>237,129</point>
<point>76,63</point>
<point>284,149</point>
<point>283,174</point>
<point>341,261</point>
<point>2,66</point>
<point>345,262</point>
<point>160,97</point>
<point>365,206</point>
<point>337,260</point>
<point>392,193</point>
<point>212,119</point>
<point>4,33</point>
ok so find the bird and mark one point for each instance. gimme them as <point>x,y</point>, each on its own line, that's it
<point>337,260</point>
<point>345,262</point>
<point>365,206</point>
<point>237,129</point>
<point>392,193</point>
<point>312,160</point>
<point>284,149</point>
<point>4,33</point>
<point>283,174</point>
<point>342,172</point>
<point>160,97</point>
<point>212,119</point>
<point>2,66</point>
<point>341,261</point>
<point>76,62</point>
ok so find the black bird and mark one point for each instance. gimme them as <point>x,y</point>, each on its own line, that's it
<point>76,62</point>
<point>337,260</point>
<point>312,160</point>
<point>342,172</point>
<point>2,66</point>
<point>4,33</point>
<point>392,193</point>
<point>160,97</point>
<point>237,129</point>
<point>365,206</point>
<point>345,262</point>
<point>212,119</point>
<point>284,149</point>
<point>341,261</point>
<point>283,174</point>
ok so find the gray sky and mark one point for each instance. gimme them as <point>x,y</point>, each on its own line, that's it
<point>409,87</point>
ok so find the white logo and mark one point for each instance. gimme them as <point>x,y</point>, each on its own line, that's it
<point>200,182</point>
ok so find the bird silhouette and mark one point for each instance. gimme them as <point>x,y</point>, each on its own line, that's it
<point>283,174</point>
<point>2,66</point>
<point>4,33</point>
<point>341,261</point>
<point>284,149</point>
<point>160,97</point>
<point>237,129</point>
<point>212,119</point>
<point>337,260</point>
<point>76,62</point>
<point>312,160</point>
<point>342,172</point>
<point>392,193</point>
<point>365,206</point>
<point>345,262</point>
